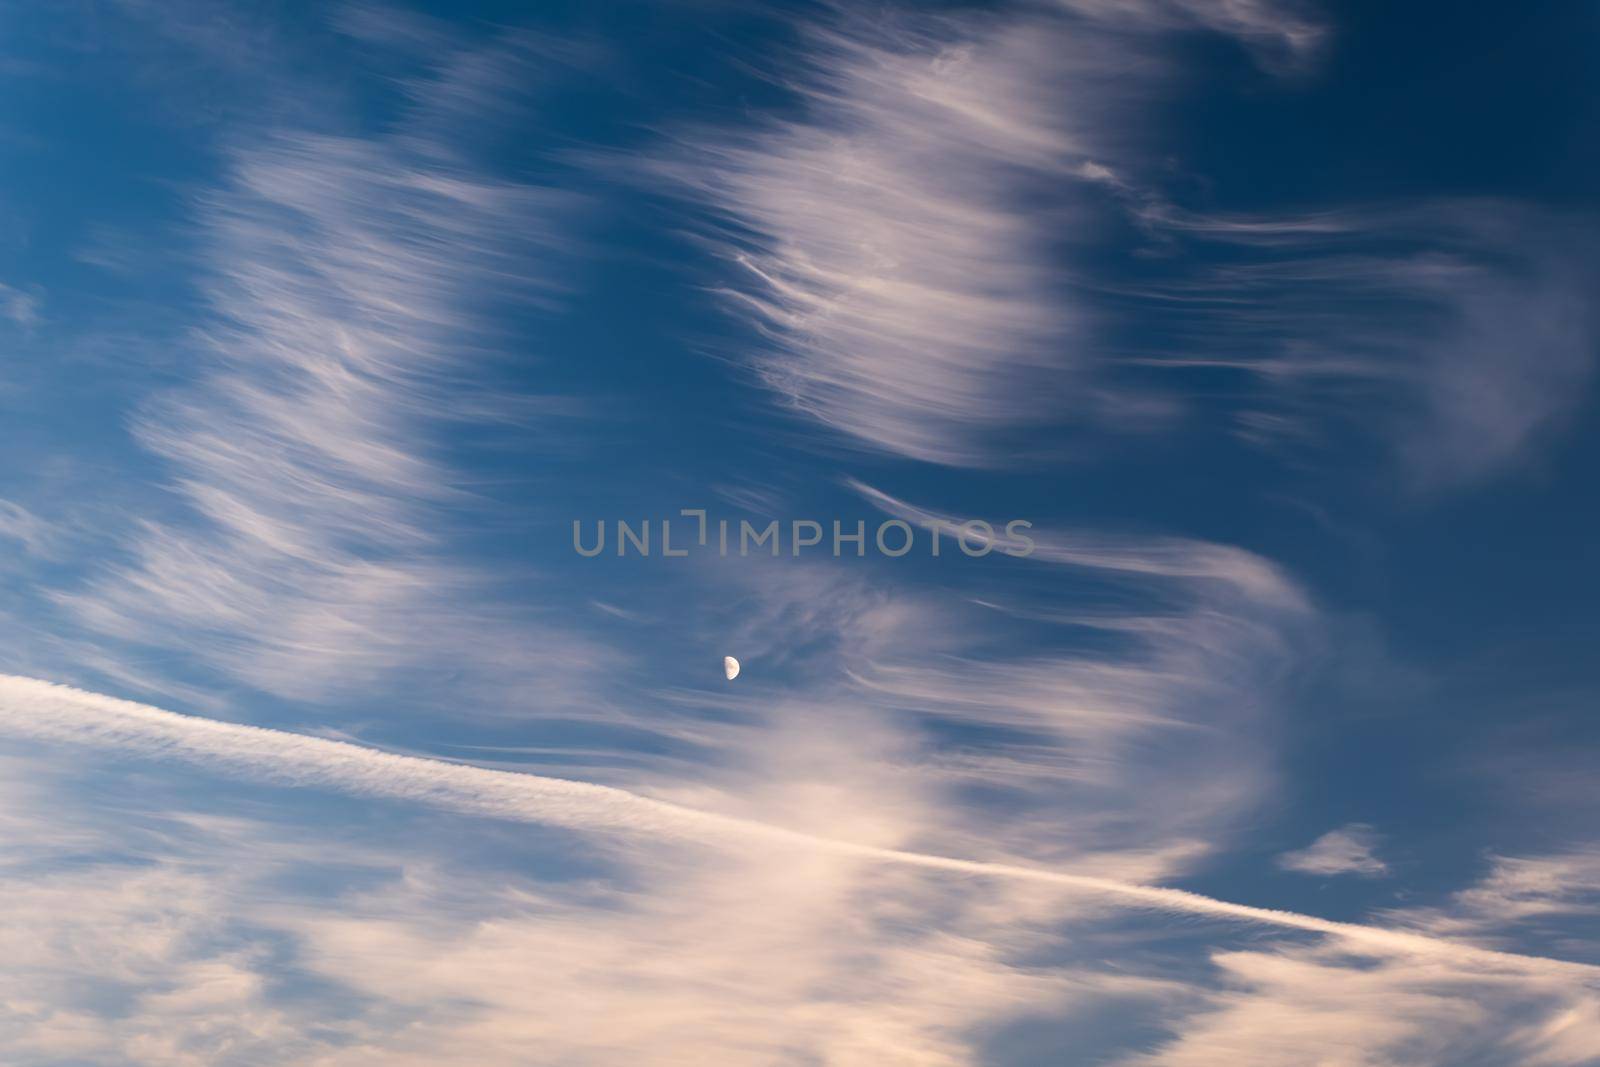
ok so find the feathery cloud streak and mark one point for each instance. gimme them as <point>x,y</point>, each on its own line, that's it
<point>892,243</point>
<point>1457,332</point>
<point>1179,559</point>
<point>912,249</point>
<point>907,298</point>
<point>349,279</point>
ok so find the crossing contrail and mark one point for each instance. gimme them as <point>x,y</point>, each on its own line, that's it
<point>45,711</point>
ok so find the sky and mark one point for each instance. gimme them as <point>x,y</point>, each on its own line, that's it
<point>1139,452</point>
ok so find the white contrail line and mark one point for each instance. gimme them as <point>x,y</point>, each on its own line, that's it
<point>40,710</point>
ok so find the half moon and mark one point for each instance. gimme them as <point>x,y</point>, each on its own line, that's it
<point>730,667</point>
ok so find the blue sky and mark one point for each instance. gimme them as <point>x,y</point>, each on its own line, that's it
<point>325,324</point>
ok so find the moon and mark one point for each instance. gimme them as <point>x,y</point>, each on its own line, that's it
<point>730,667</point>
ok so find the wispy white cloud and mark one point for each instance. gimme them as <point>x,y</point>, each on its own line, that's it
<point>19,524</point>
<point>1518,889</point>
<point>1288,29</point>
<point>906,296</point>
<point>21,308</point>
<point>1307,1006</point>
<point>1127,723</point>
<point>1300,1004</point>
<point>1456,332</point>
<point>151,934</point>
<point>41,710</point>
<point>890,243</point>
<point>1183,560</point>
<point>349,280</point>
<point>1517,895</point>
<point>1347,850</point>
<point>918,292</point>
<point>215,937</point>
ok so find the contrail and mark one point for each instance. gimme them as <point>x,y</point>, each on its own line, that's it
<point>40,710</point>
